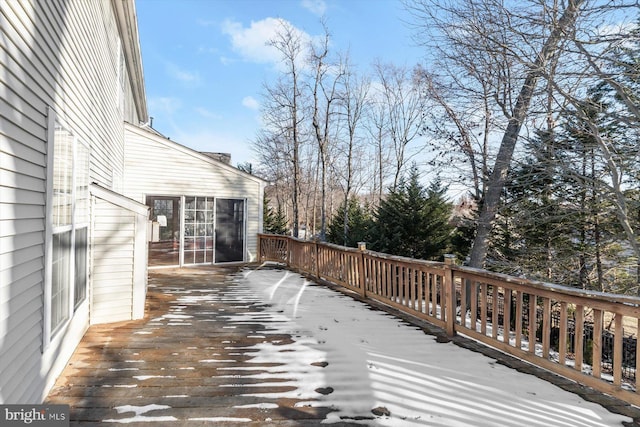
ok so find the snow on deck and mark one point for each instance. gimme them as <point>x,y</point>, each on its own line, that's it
<point>267,347</point>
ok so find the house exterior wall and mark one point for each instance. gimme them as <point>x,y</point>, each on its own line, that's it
<point>119,257</point>
<point>157,166</point>
<point>60,62</point>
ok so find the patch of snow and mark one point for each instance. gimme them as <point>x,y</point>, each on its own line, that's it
<point>177,316</point>
<point>222,419</point>
<point>258,405</point>
<point>119,385</point>
<point>374,360</point>
<point>148,377</point>
<point>140,416</point>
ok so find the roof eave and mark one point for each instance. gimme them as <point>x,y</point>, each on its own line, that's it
<point>125,12</point>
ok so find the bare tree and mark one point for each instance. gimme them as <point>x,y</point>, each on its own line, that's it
<point>376,124</point>
<point>531,36</point>
<point>324,88</point>
<point>458,130</point>
<point>400,93</point>
<point>354,101</point>
<point>283,112</point>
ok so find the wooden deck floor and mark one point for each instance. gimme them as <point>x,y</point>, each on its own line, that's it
<point>208,352</point>
<point>165,369</point>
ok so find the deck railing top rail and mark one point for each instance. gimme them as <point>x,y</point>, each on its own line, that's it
<point>550,287</point>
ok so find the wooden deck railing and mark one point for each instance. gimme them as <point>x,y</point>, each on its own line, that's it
<point>541,323</point>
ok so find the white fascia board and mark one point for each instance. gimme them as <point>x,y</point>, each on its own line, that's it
<point>119,200</point>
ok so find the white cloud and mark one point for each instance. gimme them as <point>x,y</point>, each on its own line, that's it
<point>187,77</point>
<point>207,49</point>
<point>207,113</point>
<point>164,105</point>
<point>251,43</point>
<point>250,102</point>
<point>225,60</point>
<point>317,7</point>
<point>206,22</point>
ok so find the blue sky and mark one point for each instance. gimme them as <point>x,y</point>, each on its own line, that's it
<point>205,61</point>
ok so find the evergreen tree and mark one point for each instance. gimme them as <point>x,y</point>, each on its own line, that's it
<point>599,231</point>
<point>532,228</point>
<point>559,222</point>
<point>358,228</point>
<point>437,226</point>
<point>275,221</point>
<point>414,222</point>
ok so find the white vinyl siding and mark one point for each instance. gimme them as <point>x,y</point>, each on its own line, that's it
<point>23,162</point>
<point>113,247</point>
<point>119,257</point>
<point>63,55</point>
<point>157,166</point>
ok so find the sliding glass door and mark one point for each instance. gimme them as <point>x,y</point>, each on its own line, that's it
<point>195,230</point>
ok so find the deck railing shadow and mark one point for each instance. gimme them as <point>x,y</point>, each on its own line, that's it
<point>562,329</point>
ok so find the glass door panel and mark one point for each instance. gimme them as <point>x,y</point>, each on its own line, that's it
<point>164,241</point>
<point>229,230</point>
<point>198,230</point>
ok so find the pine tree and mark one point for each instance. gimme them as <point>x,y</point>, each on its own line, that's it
<point>414,222</point>
<point>274,221</point>
<point>358,228</point>
<point>437,226</point>
<point>532,228</point>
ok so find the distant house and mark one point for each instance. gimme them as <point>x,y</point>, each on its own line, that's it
<point>77,215</point>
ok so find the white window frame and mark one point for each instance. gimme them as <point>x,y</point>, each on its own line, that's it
<point>49,334</point>
<point>76,223</point>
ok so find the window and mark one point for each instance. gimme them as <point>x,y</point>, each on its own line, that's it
<point>81,202</point>
<point>60,270</point>
<point>69,226</point>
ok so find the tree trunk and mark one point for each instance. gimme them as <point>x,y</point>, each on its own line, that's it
<point>507,146</point>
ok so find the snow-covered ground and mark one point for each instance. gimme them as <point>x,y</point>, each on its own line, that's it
<point>374,361</point>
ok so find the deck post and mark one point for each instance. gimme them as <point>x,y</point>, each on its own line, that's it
<point>316,261</point>
<point>450,304</point>
<point>361,269</point>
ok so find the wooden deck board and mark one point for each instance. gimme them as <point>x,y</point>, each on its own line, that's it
<point>173,358</point>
